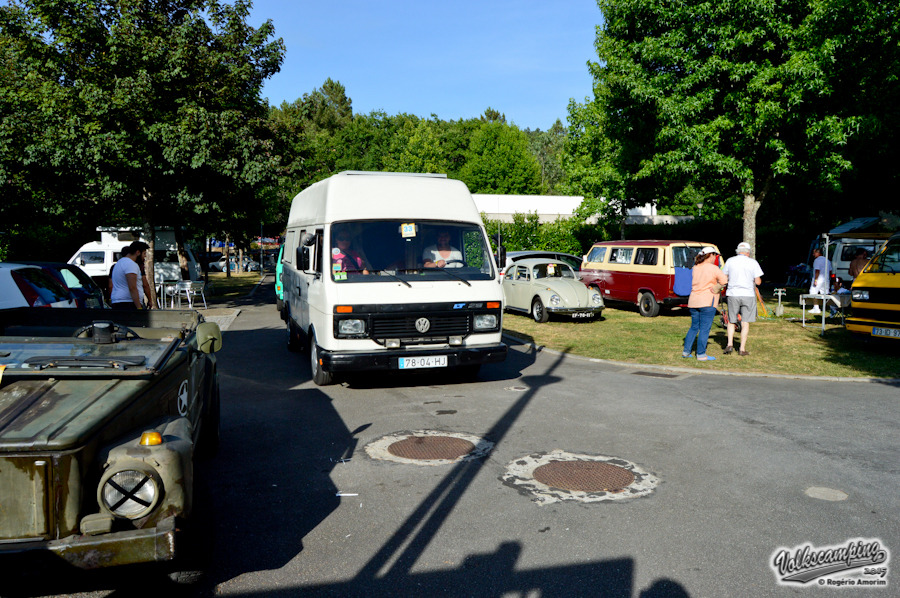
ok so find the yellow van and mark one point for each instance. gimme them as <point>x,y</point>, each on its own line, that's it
<point>875,294</point>
<point>645,273</point>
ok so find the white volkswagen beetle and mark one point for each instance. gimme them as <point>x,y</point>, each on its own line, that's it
<point>542,287</point>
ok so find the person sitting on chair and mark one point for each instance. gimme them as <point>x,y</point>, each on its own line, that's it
<point>344,258</point>
<point>442,254</point>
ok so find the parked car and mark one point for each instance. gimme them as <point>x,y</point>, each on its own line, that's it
<point>219,265</point>
<point>87,293</point>
<point>542,287</point>
<point>104,414</point>
<point>22,285</point>
<point>645,273</point>
<point>515,256</point>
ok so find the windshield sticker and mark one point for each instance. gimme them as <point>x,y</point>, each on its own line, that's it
<point>183,398</point>
<point>340,276</point>
<point>335,251</point>
<point>407,230</point>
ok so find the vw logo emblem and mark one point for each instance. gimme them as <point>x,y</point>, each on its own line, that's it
<point>422,325</point>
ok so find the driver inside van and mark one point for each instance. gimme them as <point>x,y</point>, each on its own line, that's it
<point>442,254</point>
<point>345,257</point>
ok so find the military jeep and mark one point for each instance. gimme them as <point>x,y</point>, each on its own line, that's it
<point>102,414</point>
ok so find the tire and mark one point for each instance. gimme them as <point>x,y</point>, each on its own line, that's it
<point>647,305</point>
<point>538,311</point>
<point>294,341</point>
<point>319,376</point>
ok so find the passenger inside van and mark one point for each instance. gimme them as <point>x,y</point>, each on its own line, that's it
<point>345,257</point>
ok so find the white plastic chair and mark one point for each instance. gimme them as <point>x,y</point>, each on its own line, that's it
<point>198,288</point>
<point>183,287</point>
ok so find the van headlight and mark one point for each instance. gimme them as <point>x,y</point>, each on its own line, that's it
<point>130,493</point>
<point>351,327</point>
<point>554,299</point>
<point>485,322</point>
<point>859,295</point>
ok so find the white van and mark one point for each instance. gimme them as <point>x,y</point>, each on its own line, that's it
<point>842,250</point>
<point>97,257</point>
<point>375,305</point>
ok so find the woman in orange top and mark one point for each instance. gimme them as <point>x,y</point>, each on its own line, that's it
<point>707,282</point>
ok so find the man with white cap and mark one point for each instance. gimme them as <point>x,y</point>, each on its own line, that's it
<point>744,275</point>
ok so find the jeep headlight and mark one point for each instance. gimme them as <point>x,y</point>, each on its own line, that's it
<point>596,299</point>
<point>485,322</point>
<point>129,493</point>
<point>554,299</point>
<point>859,295</point>
<point>351,327</point>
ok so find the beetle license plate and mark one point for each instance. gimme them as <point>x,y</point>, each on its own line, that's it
<point>431,361</point>
<point>889,332</point>
<point>583,314</point>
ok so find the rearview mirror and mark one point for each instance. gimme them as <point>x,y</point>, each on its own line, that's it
<point>209,337</point>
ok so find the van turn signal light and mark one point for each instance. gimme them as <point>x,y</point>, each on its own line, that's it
<point>151,439</point>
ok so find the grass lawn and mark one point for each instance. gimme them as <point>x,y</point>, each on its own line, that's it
<point>777,345</point>
<point>224,288</point>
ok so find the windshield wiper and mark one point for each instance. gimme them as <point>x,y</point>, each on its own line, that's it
<point>92,361</point>
<point>395,277</point>
<point>444,270</point>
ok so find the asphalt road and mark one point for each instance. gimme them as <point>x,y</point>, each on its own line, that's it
<point>734,456</point>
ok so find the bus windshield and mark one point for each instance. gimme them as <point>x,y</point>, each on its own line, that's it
<point>388,250</point>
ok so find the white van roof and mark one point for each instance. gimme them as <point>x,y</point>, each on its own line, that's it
<point>358,195</point>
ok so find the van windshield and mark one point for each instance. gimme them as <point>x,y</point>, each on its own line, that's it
<point>385,250</point>
<point>888,261</point>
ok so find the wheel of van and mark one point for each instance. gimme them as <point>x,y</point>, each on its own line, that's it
<point>538,311</point>
<point>647,305</point>
<point>294,342</point>
<point>319,376</point>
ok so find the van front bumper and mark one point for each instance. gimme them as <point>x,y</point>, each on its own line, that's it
<point>352,361</point>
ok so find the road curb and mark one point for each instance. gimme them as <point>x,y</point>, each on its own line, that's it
<point>666,368</point>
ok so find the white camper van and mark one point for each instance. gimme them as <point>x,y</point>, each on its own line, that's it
<point>97,257</point>
<point>389,271</point>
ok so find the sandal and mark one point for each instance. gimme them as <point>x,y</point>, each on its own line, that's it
<point>744,353</point>
<point>729,350</point>
<point>707,358</point>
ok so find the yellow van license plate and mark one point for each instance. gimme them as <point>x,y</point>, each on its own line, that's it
<point>431,361</point>
<point>891,332</point>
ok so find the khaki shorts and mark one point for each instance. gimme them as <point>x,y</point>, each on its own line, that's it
<point>746,306</point>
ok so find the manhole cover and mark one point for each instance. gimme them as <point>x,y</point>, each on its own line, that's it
<point>431,447</point>
<point>560,475</point>
<point>584,476</point>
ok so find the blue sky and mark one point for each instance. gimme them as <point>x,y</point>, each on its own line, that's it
<point>454,59</point>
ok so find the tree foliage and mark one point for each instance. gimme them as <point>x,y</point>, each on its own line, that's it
<point>729,98</point>
<point>147,110</point>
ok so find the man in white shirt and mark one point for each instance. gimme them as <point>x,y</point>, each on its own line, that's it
<point>442,254</point>
<point>127,290</point>
<point>821,278</point>
<point>744,275</point>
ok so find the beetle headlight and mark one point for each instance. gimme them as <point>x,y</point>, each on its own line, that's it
<point>859,295</point>
<point>485,322</point>
<point>596,299</point>
<point>554,299</point>
<point>351,327</point>
<point>129,493</point>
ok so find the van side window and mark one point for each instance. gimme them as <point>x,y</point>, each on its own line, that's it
<point>597,254</point>
<point>646,256</point>
<point>91,257</point>
<point>317,258</point>
<point>620,255</point>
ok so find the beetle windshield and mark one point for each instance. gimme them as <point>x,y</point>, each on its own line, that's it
<point>554,271</point>
<point>408,251</point>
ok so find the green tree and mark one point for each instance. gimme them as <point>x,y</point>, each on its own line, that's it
<point>499,161</point>
<point>547,147</point>
<point>727,95</point>
<point>155,109</point>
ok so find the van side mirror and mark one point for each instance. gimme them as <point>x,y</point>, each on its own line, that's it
<point>304,258</point>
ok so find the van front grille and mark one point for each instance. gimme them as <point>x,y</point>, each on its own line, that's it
<point>405,326</point>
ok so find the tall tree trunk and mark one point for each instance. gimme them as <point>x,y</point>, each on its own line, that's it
<point>227,258</point>
<point>752,203</point>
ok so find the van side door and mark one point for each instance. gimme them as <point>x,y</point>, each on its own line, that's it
<point>618,279</point>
